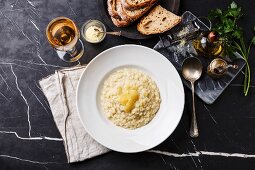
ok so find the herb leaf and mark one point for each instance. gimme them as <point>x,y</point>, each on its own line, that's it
<point>253,40</point>
<point>233,5</point>
<point>237,34</point>
<point>225,24</point>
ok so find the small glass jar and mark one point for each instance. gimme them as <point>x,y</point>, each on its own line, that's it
<point>93,31</point>
<point>207,47</point>
<point>219,67</point>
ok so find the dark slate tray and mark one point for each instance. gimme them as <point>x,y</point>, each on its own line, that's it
<point>206,88</point>
<point>131,31</point>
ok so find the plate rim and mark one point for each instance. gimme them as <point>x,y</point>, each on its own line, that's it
<point>123,46</point>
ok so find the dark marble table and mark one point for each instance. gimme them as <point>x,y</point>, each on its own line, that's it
<point>29,138</point>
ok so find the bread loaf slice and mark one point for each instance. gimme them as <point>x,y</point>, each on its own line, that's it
<point>126,17</point>
<point>136,4</point>
<point>121,12</point>
<point>157,21</point>
<point>112,8</point>
<point>136,13</point>
<point>118,22</point>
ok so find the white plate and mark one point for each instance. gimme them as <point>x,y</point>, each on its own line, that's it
<point>167,80</point>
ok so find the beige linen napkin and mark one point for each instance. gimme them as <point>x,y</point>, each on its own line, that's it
<point>60,90</point>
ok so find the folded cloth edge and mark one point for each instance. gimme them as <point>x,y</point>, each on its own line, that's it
<point>92,152</point>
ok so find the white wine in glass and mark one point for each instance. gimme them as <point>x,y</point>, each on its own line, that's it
<point>63,35</point>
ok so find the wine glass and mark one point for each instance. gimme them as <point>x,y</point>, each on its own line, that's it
<point>63,35</point>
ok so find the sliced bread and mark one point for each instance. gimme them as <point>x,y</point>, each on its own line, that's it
<point>119,22</point>
<point>112,8</point>
<point>128,16</point>
<point>157,21</point>
<point>121,12</point>
<point>136,4</point>
<point>136,13</point>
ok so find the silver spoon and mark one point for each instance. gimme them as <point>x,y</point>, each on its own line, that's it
<point>191,71</point>
<point>118,33</point>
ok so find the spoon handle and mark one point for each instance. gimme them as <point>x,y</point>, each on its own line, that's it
<point>193,126</point>
<point>118,33</point>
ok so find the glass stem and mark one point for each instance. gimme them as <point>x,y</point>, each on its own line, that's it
<point>72,51</point>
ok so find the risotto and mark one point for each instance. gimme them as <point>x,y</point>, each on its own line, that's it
<point>130,98</point>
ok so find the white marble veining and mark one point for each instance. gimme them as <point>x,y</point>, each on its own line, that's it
<point>32,138</point>
<point>209,112</point>
<point>203,153</point>
<point>39,101</point>
<point>25,100</point>
<point>163,153</point>
<point>29,161</point>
